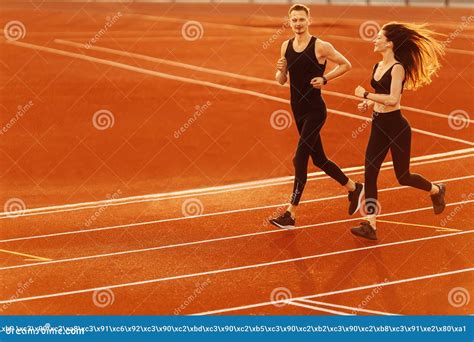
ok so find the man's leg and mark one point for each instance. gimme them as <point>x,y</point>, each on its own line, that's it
<point>309,131</point>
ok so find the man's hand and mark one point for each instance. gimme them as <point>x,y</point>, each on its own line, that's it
<point>281,65</point>
<point>359,91</point>
<point>317,82</point>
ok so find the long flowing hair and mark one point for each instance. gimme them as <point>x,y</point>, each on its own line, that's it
<point>416,48</point>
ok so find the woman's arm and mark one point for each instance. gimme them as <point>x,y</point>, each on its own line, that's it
<point>398,75</point>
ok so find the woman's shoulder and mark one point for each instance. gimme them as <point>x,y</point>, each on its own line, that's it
<point>398,68</point>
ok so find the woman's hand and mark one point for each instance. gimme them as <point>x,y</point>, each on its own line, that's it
<point>363,106</point>
<point>281,65</point>
<point>359,91</point>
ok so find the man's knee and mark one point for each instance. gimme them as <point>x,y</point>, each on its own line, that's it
<point>320,161</point>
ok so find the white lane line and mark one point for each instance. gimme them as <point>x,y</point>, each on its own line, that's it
<point>281,22</point>
<point>29,256</point>
<point>199,242</point>
<point>316,308</point>
<point>313,176</point>
<point>230,74</point>
<point>145,223</point>
<point>207,84</point>
<point>366,287</point>
<point>226,270</point>
<point>441,136</point>
<point>167,62</point>
<point>328,21</point>
<point>460,51</point>
<point>348,307</point>
<point>147,71</point>
<point>428,112</point>
<point>360,40</point>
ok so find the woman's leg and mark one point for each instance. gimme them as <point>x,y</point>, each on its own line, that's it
<point>401,159</point>
<point>377,149</point>
<point>401,163</point>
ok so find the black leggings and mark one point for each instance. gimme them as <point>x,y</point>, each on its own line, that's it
<point>389,131</point>
<point>309,144</point>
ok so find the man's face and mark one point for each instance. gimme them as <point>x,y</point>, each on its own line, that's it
<point>299,22</point>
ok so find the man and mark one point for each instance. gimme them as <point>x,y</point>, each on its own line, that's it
<point>304,57</point>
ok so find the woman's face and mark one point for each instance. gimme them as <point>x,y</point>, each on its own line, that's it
<point>381,43</point>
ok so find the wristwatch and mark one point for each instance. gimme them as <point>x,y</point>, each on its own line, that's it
<point>325,81</point>
<point>366,93</point>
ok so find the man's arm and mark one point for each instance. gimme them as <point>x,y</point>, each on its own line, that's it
<point>327,51</point>
<point>282,68</point>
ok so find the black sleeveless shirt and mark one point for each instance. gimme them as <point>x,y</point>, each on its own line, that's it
<point>382,86</point>
<point>303,66</point>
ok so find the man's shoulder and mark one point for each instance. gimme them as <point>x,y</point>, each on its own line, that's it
<point>322,47</point>
<point>322,44</point>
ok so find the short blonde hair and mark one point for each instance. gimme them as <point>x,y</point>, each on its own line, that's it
<point>298,7</point>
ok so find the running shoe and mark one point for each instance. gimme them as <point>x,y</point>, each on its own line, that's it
<point>365,230</point>
<point>438,200</point>
<point>355,198</point>
<point>284,221</point>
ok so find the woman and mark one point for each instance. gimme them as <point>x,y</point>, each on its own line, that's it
<point>410,57</point>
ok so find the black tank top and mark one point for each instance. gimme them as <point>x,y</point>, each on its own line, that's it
<point>382,86</point>
<point>303,66</point>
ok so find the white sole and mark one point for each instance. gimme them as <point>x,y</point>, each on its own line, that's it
<point>282,227</point>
